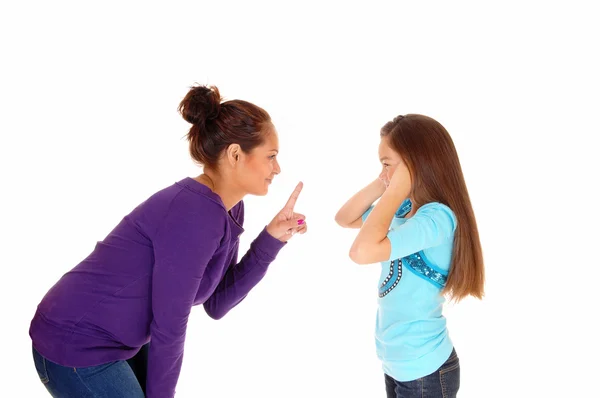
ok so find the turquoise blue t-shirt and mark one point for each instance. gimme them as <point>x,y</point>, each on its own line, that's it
<point>411,336</point>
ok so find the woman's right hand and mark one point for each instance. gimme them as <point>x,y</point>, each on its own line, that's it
<point>287,223</point>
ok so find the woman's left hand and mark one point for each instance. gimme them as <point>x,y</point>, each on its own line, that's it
<point>287,223</point>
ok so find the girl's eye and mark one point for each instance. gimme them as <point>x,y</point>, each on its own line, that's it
<point>272,156</point>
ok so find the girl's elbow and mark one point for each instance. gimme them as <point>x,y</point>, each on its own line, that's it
<point>339,219</point>
<point>367,252</point>
<point>359,255</point>
<point>345,223</point>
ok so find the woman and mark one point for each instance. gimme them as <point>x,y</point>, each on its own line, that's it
<point>424,233</point>
<point>114,326</point>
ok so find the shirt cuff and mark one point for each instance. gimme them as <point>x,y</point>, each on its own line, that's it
<point>267,244</point>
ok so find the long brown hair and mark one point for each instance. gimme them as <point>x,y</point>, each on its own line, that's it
<point>217,124</point>
<point>430,155</point>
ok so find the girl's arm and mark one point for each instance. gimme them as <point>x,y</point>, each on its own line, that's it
<point>350,215</point>
<point>372,244</point>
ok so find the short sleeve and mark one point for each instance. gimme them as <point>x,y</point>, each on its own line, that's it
<point>432,225</point>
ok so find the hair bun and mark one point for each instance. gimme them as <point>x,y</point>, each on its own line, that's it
<point>201,103</point>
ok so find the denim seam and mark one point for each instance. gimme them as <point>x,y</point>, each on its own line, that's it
<point>443,384</point>
<point>46,379</point>
<point>442,373</point>
<point>450,369</point>
<point>83,382</point>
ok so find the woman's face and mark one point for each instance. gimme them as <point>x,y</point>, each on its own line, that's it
<point>390,160</point>
<point>260,166</point>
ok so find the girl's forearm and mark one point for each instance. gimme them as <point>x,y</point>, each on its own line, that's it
<point>360,202</point>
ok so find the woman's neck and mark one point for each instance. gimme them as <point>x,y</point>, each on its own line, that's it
<point>230,196</point>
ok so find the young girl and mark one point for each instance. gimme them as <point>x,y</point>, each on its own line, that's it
<point>115,325</point>
<point>424,233</point>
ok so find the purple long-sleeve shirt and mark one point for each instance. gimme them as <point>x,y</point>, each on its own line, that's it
<point>175,250</point>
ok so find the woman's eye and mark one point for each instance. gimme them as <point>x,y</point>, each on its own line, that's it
<point>272,156</point>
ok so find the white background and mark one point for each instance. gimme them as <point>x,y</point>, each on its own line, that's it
<point>89,129</point>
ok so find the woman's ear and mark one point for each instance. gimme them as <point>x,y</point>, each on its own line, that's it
<point>233,154</point>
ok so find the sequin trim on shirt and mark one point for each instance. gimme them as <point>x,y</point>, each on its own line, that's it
<point>404,208</point>
<point>416,263</point>
<point>393,278</point>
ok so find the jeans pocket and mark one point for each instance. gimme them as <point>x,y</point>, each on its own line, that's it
<point>40,366</point>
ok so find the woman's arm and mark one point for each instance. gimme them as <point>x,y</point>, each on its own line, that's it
<point>350,215</point>
<point>241,277</point>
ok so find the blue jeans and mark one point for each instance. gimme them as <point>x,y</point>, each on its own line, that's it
<point>442,383</point>
<point>118,379</point>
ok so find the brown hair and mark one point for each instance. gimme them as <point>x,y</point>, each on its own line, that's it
<point>216,124</point>
<point>430,155</point>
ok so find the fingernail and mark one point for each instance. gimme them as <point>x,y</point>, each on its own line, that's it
<point>300,222</point>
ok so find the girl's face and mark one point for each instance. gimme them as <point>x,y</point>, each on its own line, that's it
<point>390,160</point>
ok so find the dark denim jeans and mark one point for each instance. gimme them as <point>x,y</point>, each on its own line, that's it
<point>443,383</point>
<point>118,379</point>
